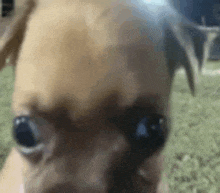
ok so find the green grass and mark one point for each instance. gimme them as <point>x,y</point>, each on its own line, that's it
<point>213,65</point>
<point>192,154</point>
<point>6,90</point>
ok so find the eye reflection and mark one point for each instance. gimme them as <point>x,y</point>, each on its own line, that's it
<point>141,131</point>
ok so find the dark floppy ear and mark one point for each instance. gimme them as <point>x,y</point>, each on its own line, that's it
<point>11,40</point>
<point>188,45</point>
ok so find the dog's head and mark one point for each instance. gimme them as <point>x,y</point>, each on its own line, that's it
<point>92,86</point>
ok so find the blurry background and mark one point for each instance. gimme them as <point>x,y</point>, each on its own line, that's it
<point>202,12</point>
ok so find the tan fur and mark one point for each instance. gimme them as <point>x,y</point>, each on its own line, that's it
<point>85,60</point>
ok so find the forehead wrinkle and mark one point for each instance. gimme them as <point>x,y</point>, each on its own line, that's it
<point>108,94</point>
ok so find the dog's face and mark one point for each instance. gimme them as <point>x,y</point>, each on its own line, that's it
<point>93,94</point>
<point>91,99</point>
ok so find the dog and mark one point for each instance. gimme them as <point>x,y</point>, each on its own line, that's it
<point>92,92</point>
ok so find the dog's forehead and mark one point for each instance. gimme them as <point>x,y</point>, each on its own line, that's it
<point>78,63</point>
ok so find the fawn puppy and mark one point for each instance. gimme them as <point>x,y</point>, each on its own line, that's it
<point>91,96</point>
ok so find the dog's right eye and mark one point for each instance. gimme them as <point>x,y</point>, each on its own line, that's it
<point>25,132</point>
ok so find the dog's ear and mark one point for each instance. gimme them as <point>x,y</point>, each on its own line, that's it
<point>12,39</point>
<point>187,45</point>
<point>181,52</point>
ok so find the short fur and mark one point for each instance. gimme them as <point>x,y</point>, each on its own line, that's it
<point>79,63</point>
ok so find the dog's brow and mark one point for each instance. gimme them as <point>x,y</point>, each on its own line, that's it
<point>147,102</point>
<point>61,114</point>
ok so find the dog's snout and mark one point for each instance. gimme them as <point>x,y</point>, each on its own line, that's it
<point>80,164</point>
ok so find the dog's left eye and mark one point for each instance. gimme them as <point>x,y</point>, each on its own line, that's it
<point>25,132</point>
<point>146,133</point>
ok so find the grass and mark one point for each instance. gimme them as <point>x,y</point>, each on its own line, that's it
<point>213,65</point>
<point>6,90</point>
<point>192,154</point>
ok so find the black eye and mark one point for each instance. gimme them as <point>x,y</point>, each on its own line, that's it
<point>148,133</point>
<point>25,132</point>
